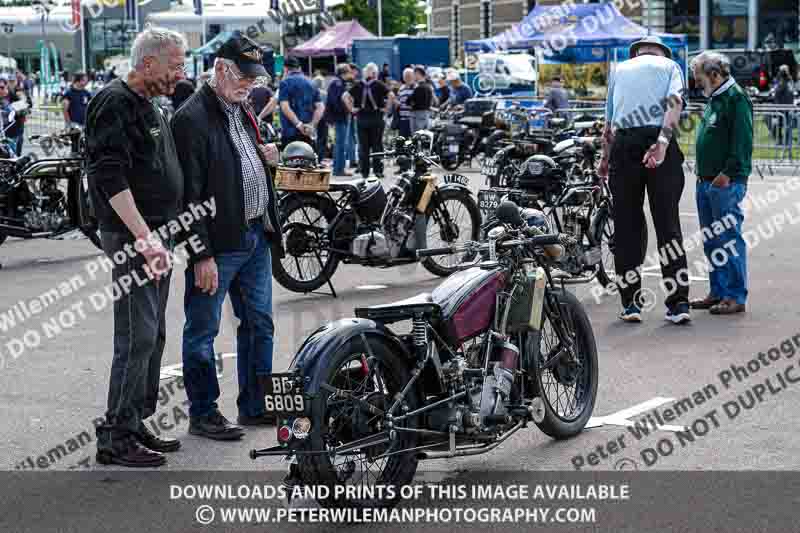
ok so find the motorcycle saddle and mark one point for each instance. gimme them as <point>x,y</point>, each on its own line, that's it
<point>347,184</point>
<point>422,304</point>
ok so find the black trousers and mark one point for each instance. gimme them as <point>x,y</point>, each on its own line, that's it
<point>370,140</point>
<point>628,180</point>
<point>139,339</point>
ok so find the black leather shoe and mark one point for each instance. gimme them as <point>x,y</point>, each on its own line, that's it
<point>260,420</point>
<point>147,439</point>
<point>215,426</point>
<point>134,456</point>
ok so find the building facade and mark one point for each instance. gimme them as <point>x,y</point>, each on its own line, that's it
<point>708,23</point>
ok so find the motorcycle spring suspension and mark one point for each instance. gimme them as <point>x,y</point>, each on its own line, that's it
<point>419,332</point>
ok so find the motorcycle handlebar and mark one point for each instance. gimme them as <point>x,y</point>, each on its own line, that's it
<point>538,240</point>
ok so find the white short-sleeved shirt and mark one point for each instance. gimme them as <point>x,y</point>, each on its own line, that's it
<point>640,91</point>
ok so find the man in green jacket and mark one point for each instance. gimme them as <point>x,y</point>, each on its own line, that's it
<point>724,152</point>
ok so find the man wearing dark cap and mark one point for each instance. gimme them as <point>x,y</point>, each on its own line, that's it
<point>224,161</point>
<point>301,105</point>
<point>641,154</point>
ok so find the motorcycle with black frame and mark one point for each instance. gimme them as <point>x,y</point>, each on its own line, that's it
<point>359,222</point>
<point>572,199</point>
<point>496,346</point>
<point>47,198</point>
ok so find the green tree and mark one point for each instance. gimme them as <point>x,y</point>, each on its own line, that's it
<point>399,16</point>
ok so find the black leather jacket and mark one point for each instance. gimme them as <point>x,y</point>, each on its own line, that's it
<point>212,168</point>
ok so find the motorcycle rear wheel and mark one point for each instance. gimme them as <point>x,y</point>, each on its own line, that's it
<point>336,422</point>
<point>306,266</point>
<point>552,385</point>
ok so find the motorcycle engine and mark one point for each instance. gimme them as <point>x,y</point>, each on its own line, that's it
<point>47,209</point>
<point>579,256</point>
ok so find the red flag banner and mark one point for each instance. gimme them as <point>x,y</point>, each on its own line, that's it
<point>76,13</point>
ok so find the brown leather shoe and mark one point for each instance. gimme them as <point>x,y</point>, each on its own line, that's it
<point>727,307</point>
<point>134,456</point>
<point>148,440</point>
<point>705,303</point>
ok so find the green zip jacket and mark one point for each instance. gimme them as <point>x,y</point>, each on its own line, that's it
<point>725,135</point>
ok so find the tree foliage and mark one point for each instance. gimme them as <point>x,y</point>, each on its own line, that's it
<point>399,16</point>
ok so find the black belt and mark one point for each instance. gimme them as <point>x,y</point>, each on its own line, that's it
<point>253,221</point>
<point>638,131</point>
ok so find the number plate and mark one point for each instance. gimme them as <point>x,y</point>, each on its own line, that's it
<point>454,148</point>
<point>283,394</point>
<point>457,178</point>
<point>489,200</point>
<point>489,167</point>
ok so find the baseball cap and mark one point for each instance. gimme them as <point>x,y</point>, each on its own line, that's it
<point>245,53</point>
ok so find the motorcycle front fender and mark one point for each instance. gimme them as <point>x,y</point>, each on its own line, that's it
<point>314,356</point>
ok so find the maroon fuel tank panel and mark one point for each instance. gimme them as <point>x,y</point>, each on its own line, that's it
<point>468,302</point>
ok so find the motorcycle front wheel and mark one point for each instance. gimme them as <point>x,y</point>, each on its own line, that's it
<point>367,379</point>
<point>453,219</point>
<point>308,264</point>
<point>567,388</point>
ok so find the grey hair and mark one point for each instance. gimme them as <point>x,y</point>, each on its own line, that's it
<point>154,41</point>
<point>341,69</point>
<point>370,70</point>
<point>408,72</point>
<point>709,62</point>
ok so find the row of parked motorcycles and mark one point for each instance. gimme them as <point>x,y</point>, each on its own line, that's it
<point>541,162</point>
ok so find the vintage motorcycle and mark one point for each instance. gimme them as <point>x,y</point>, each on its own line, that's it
<point>369,226</point>
<point>46,198</point>
<point>494,347</point>
<point>573,200</point>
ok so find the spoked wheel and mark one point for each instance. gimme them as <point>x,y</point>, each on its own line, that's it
<point>368,381</point>
<point>567,385</point>
<point>308,263</point>
<point>604,237</point>
<point>453,220</point>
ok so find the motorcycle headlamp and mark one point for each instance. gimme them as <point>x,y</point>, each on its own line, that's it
<point>535,168</point>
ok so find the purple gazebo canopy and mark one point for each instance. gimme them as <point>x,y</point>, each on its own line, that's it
<point>335,41</point>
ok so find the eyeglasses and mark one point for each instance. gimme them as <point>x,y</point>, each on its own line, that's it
<point>260,81</point>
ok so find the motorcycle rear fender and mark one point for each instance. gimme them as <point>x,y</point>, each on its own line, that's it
<point>453,186</point>
<point>316,353</point>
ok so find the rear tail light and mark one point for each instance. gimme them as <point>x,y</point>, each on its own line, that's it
<point>762,80</point>
<point>284,434</point>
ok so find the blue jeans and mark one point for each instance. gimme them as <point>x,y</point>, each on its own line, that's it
<point>340,146</point>
<point>352,146</point>
<point>726,252</point>
<point>247,276</point>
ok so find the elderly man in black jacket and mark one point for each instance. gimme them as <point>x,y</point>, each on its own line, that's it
<point>223,159</point>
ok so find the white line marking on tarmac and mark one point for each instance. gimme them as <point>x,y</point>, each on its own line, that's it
<point>176,370</point>
<point>371,287</point>
<point>621,418</point>
<point>658,275</point>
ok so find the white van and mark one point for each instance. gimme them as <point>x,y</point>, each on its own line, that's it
<point>509,69</point>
